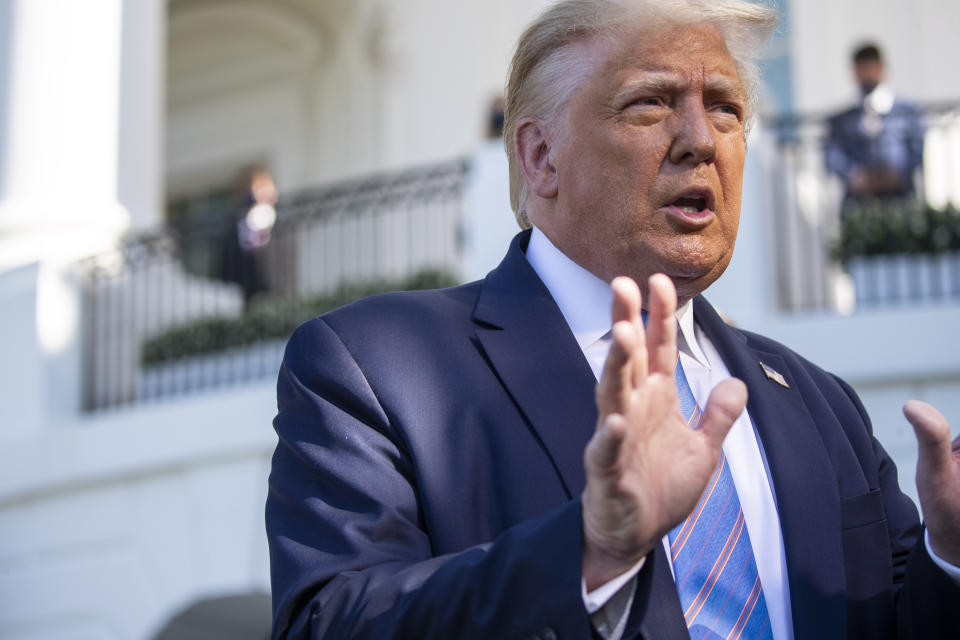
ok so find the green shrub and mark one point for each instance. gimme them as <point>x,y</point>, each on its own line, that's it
<point>272,318</point>
<point>896,227</point>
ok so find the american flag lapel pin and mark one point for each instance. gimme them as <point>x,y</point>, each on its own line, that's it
<point>774,375</point>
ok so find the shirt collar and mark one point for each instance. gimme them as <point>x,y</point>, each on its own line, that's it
<point>584,299</point>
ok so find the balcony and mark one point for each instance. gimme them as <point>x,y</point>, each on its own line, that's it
<point>872,252</point>
<point>184,311</point>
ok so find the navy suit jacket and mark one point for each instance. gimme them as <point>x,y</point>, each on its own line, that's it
<point>897,146</point>
<point>427,478</point>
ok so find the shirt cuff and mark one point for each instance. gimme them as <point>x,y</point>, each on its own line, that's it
<point>949,569</point>
<point>596,599</point>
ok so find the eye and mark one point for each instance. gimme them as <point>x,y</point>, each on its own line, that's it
<point>728,109</point>
<point>649,101</point>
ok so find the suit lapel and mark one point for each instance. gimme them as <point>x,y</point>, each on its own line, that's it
<point>534,354</point>
<point>803,480</point>
<point>539,362</point>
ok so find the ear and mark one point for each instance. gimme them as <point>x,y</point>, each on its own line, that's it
<point>532,149</point>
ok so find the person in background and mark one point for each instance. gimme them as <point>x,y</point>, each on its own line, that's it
<point>876,146</point>
<point>249,232</point>
<point>495,119</point>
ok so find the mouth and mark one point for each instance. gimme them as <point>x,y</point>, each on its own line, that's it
<point>693,208</point>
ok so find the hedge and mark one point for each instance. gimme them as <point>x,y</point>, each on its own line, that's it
<point>897,227</point>
<point>272,318</point>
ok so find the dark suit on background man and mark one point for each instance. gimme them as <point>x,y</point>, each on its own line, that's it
<point>896,146</point>
<point>396,469</point>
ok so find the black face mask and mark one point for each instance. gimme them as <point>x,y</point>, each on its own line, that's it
<point>867,87</point>
<point>496,121</point>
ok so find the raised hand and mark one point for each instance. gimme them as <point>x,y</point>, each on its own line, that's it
<point>938,478</point>
<point>645,467</point>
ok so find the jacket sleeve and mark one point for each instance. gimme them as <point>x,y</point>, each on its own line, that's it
<point>927,599</point>
<point>350,556</point>
<point>836,156</point>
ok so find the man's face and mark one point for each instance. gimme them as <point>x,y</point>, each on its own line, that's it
<point>649,156</point>
<point>869,73</point>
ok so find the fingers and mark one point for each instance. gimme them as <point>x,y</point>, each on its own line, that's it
<point>626,307</point>
<point>635,351</point>
<point>626,299</point>
<point>662,324</point>
<point>933,435</point>
<point>727,401</point>
<point>616,379</point>
<point>938,478</point>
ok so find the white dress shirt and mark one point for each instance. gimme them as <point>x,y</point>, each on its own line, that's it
<point>584,300</point>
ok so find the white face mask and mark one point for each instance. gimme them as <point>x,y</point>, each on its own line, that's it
<point>879,101</point>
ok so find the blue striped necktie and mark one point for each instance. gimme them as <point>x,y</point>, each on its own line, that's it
<point>713,563</point>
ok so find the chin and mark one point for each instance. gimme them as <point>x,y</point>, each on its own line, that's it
<point>692,278</point>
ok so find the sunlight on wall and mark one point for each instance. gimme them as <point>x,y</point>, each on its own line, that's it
<point>58,309</point>
<point>941,177</point>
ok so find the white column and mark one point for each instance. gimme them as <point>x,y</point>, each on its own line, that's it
<point>82,124</point>
<point>140,176</point>
<point>81,119</point>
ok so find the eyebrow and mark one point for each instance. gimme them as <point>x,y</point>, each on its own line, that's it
<point>654,82</point>
<point>725,86</point>
<point>665,81</point>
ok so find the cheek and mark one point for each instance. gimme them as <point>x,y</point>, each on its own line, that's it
<point>732,227</point>
<point>731,181</point>
<point>634,150</point>
<point>730,220</point>
<point>731,178</point>
<point>732,189</point>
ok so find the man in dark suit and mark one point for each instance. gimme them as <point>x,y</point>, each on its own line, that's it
<point>876,146</point>
<point>494,461</point>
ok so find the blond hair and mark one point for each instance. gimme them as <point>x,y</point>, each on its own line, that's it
<point>544,71</point>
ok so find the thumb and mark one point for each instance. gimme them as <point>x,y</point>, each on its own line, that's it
<point>726,403</point>
<point>933,435</point>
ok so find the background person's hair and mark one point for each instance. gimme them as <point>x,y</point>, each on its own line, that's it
<point>544,71</point>
<point>867,52</point>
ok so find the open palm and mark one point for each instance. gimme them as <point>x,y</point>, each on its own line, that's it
<point>645,467</point>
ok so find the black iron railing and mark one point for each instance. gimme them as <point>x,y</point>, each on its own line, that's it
<point>174,312</point>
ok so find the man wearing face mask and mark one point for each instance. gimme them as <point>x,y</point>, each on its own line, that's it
<point>876,146</point>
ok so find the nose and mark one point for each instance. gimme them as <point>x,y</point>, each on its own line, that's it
<point>693,140</point>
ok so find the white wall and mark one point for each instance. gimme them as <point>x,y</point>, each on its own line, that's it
<point>110,525</point>
<point>22,385</point>
<point>488,222</point>
<point>320,93</point>
<point>916,36</point>
<point>446,61</point>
